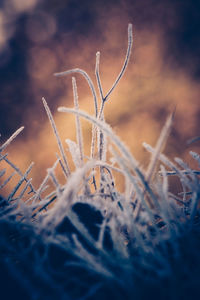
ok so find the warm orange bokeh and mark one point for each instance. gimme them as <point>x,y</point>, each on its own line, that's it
<point>137,109</point>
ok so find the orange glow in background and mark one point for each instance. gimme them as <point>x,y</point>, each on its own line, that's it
<point>150,89</point>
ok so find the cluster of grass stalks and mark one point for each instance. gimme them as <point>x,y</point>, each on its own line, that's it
<point>87,240</point>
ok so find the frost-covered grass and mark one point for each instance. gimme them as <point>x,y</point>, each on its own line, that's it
<point>87,240</point>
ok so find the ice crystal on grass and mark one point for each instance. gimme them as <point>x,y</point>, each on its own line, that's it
<point>86,240</point>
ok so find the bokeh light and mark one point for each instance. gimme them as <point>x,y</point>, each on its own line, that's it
<point>40,38</point>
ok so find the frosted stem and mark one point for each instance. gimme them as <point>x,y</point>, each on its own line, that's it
<point>57,136</point>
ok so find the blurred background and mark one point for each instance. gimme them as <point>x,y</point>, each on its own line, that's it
<point>40,37</point>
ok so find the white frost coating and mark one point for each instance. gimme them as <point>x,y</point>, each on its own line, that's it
<point>79,135</point>
<point>107,129</point>
<point>62,205</point>
<point>75,152</point>
<point>159,147</point>
<point>98,76</point>
<point>62,152</point>
<point>89,80</point>
<point>13,136</point>
<point>130,43</point>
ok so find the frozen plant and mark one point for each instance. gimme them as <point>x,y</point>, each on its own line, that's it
<point>87,240</point>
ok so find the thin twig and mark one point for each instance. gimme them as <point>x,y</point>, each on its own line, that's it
<point>98,75</point>
<point>183,171</point>
<point>44,206</point>
<point>128,53</point>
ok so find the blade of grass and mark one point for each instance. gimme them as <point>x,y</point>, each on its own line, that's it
<point>79,136</point>
<point>159,147</point>
<point>62,152</point>
<point>20,182</point>
<point>13,136</point>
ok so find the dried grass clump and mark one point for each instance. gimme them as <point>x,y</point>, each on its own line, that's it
<point>85,239</point>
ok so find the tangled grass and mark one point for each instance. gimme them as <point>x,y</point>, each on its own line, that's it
<point>87,240</point>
